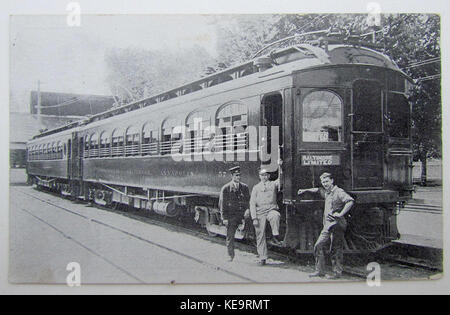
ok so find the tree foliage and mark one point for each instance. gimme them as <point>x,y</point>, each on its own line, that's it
<point>136,73</point>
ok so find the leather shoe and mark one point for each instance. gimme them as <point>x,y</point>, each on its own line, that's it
<point>316,274</point>
<point>262,262</point>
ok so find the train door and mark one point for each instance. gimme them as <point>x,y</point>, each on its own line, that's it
<point>76,156</point>
<point>272,116</point>
<point>68,147</point>
<point>367,135</point>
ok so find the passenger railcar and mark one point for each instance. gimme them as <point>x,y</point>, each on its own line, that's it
<point>332,107</point>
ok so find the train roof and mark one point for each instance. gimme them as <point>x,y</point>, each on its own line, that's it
<point>286,60</point>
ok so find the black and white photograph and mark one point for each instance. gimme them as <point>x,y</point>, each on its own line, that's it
<point>225,148</point>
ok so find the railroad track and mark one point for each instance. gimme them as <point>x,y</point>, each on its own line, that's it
<point>129,234</point>
<point>355,265</point>
<point>422,208</point>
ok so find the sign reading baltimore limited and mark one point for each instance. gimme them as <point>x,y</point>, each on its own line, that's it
<point>319,160</point>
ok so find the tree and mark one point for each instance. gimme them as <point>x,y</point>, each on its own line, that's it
<point>136,73</point>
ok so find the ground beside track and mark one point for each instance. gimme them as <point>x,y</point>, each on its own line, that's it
<point>113,248</point>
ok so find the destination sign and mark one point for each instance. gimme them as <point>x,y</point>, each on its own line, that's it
<point>320,160</point>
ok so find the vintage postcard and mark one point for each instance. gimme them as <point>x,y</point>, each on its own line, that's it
<point>260,148</point>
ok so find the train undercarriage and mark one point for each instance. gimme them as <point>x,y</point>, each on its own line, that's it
<point>371,226</point>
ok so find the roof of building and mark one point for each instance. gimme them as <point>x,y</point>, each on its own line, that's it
<point>23,126</point>
<point>69,104</point>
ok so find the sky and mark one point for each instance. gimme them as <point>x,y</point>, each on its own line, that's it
<point>70,59</point>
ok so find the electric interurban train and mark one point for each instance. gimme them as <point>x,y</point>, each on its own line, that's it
<point>336,107</point>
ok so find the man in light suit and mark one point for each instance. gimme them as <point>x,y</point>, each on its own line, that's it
<point>233,202</point>
<point>263,208</point>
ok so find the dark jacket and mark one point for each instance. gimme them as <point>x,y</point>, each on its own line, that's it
<point>233,202</point>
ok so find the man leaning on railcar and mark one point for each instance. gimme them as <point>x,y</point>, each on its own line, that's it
<point>233,202</point>
<point>337,204</point>
<point>263,208</point>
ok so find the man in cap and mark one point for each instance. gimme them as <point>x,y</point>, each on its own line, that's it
<point>263,208</point>
<point>233,202</point>
<point>337,204</point>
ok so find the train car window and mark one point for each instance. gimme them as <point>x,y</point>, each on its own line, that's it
<point>132,141</point>
<point>397,116</point>
<point>48,151</point>
<point>149,139</point>
<point>86,146</point>
<point>51,151</point>
<point>54,150</point>
<point>105,144</point>
<point>198,131</point>
<point>93,145</point>
<point>117,142</point>
<point>59,150</point>
<point>171,136</point>
<point>232,122</point>
<point>322,117</point>
<point>367,106</point>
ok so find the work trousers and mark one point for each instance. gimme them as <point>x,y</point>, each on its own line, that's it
<point>233,224</point>
<point>273,217</point>
<point>336,235</point>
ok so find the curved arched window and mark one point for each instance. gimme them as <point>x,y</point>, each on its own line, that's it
<point>54,149</point>
<point>86,145</point>
<point>149,144</point>
<point>48,150</point>
<point>105,144</point>
<point>117,142</point>
<point>93,145</point>
<point>172,133</point>
<point>232,122</point>
<point>322,117</point>
<point>59,150</point>
<point>198,131</point>
<point>132,141</point>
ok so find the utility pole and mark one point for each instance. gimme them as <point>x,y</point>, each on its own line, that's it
<point>38,107</point>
